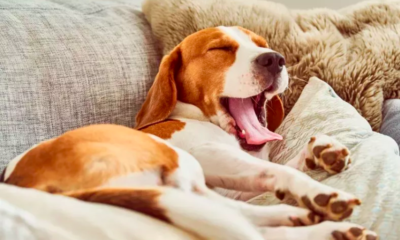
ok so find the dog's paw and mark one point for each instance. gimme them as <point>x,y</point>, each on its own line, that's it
<point>301,219</point>
<point>328,153</point>
<point>333,206</point>
<point>330,203</point>
<point>341,231</point>
<point>322,231</point>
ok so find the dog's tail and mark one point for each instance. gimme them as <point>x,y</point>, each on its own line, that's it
<point>189,211</point>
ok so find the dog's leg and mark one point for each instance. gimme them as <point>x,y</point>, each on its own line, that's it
<point>190,177</point>
<point>237,195</point>
<point>187,210</point>
<point>231,168</point>
<point>277,215</point>
<point>322,231</point>
<point>322,151</point>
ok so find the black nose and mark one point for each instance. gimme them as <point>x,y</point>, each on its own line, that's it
<point>273,61</point>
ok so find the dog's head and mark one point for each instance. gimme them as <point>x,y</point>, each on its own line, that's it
<point>222,70</point>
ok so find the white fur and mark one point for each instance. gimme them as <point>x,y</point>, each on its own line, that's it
<point>189,172</point>
<point>207,218</point>
<point>144,178</point>
<point>188,111</point>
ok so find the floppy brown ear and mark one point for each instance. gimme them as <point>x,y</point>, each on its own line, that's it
<point>275,113</point>
<point>162,96</point>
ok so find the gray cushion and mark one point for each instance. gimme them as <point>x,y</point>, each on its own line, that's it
<point>391,119</point>
<point>65,64</point>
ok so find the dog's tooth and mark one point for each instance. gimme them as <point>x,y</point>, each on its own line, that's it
<point>243,132</point>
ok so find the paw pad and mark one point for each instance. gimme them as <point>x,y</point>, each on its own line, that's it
<point>280,194</point>
<point>354,233</point>
<point>327,206</point>
<point>314,217</point>
<point>318,149</point>
<point>311,164</point>
<point>306,201</point>
<point>297,222</point>
<point>322,200</point>
<point>339,207</point>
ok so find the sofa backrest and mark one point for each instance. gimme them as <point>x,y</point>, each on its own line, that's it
<point>65,64</point>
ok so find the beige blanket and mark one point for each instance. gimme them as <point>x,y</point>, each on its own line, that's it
<point>356,50</point>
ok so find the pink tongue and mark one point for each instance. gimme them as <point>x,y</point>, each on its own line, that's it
<point>242,111</point>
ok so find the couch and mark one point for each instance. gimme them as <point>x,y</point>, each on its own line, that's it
<point>66,64</point>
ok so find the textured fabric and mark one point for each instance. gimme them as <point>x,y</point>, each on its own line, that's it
<point>374,174</point>
<point>391,119</point>
<point>356,50</point>
<point>65,64</point>
<point>22,218</point>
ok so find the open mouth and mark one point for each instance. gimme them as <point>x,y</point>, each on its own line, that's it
<point>250,117</point>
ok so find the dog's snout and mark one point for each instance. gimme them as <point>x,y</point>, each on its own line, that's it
<point>273,61</point>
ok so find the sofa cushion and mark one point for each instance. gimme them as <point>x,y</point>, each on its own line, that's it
<point>65,64</point>
<point>391,119</point>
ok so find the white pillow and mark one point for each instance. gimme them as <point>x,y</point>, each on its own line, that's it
<point>374,175</point>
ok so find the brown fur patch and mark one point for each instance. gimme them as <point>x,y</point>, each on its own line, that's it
<point>194,73</point>
<point>201,82</point>
<point>88,157</point>
<point>165,129</point>
<point>139,200</point>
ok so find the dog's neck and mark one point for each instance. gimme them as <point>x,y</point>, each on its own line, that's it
<point>190,111</point>
<point>185,110</point>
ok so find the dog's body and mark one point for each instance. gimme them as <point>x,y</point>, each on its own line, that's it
<point>209,99</point>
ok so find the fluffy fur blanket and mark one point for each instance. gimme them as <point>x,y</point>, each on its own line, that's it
<point>356,50</point>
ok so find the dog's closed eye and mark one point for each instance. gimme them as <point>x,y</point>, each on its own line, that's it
<point>222,48</point>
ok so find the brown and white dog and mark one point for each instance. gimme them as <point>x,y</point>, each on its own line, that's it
<point>204,122</point>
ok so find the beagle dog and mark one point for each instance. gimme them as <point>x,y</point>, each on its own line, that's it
<point>204,124</point>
